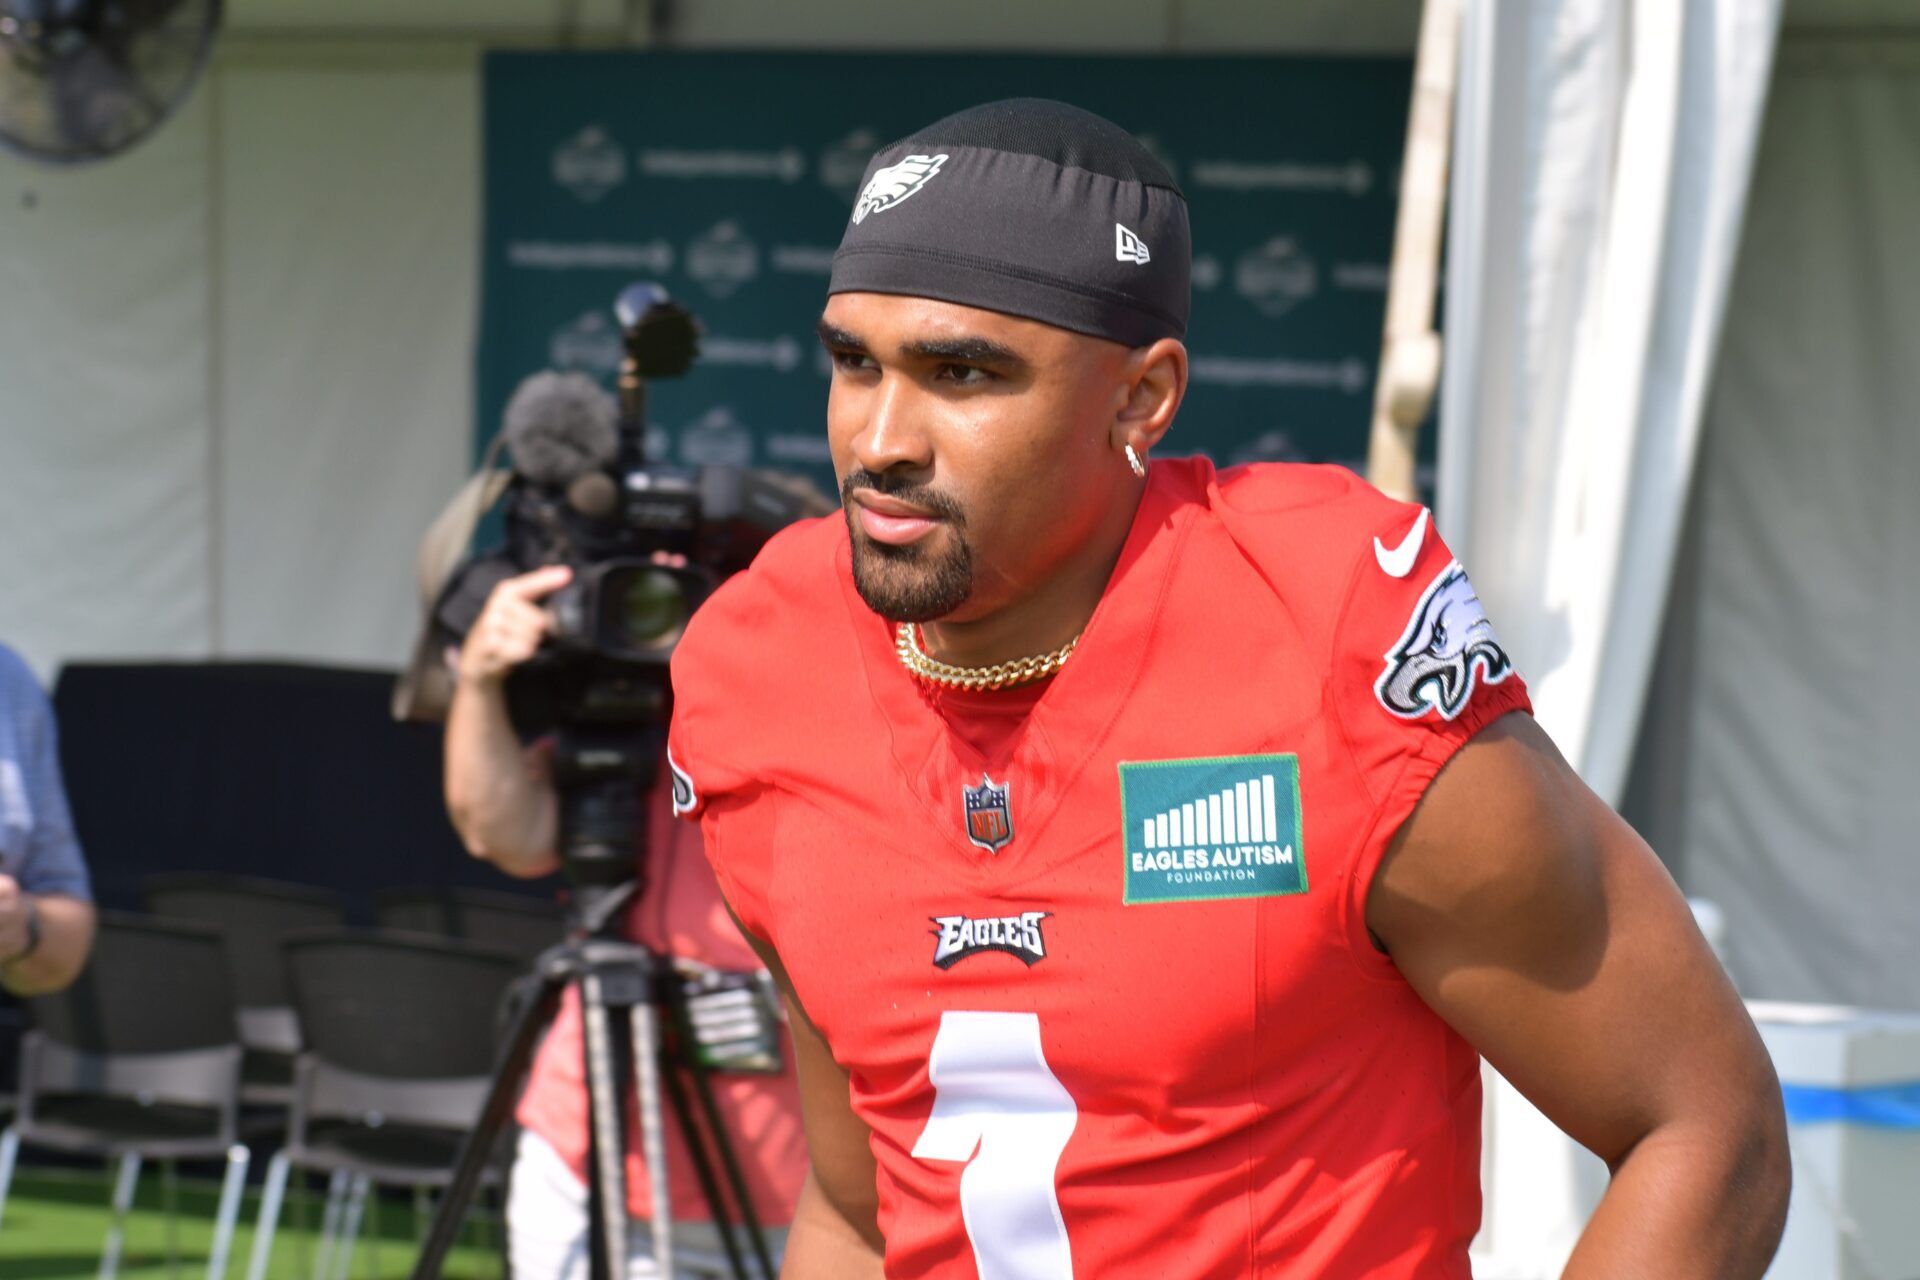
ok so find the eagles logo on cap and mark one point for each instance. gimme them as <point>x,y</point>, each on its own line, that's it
<point>889,186</point>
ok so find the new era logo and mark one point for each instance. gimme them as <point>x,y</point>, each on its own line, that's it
<point>1128,247</point>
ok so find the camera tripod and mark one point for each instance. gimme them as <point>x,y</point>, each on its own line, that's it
<point>636,1024</point>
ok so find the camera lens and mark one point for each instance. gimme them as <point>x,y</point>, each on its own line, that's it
<point>652,609</point>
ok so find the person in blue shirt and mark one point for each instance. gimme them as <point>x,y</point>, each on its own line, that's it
<point>46,900</point>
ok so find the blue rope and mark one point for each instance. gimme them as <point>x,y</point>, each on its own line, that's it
<point>1887,1106</point>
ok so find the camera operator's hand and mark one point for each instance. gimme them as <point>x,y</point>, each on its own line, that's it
<point>511,625</point>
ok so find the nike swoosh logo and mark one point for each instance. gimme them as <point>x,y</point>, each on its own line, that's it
<point>1398,563</point>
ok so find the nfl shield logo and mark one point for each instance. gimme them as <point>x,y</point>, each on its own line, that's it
<point>989,817</point>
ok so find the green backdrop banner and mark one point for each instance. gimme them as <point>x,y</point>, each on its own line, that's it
<point>728,178</point>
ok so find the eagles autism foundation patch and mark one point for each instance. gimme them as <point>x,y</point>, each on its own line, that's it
<point>1222,827</point>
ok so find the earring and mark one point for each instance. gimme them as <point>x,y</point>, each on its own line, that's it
<point>1133,460</point>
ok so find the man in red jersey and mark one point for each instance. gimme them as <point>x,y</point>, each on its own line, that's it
<point>1149,853</point>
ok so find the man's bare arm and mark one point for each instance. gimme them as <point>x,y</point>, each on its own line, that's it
<point>498,793</point>
<point>1539,925</point>
<point>66,938</point>
<point>836,1231</point>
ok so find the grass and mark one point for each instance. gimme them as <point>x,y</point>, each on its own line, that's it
<point>56,1221</point>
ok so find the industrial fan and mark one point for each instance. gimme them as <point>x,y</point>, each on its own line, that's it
<point>86,79</point>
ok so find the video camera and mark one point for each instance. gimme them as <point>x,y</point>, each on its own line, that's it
<point>647,543</point>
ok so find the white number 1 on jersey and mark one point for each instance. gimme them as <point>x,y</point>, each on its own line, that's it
<point>995,1095</point>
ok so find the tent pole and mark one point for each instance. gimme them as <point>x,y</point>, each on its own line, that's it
<point>1410,346</point>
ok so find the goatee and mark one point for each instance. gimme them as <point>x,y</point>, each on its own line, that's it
<point>911,583</point>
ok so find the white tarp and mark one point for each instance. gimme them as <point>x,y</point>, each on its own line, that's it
<point>1602,155</point>
<point>105,452</point>
<point>223,427</point>
<point>1797,739</point>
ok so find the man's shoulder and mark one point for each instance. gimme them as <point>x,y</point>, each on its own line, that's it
<point>21,697</point>
<point>770,645</point>
<point>1290,496</point>
<point>789,585</point>
<point>1309,530</point>
<point>15,675</point>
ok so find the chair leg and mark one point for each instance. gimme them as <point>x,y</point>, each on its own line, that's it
<point>238,1158</point>
<point>350,1225</point>
<point>9,1152</point>
<point>270,1198</point>
<point>170,1210</point>
<point>123,1184</point>
<point>330,1225</point>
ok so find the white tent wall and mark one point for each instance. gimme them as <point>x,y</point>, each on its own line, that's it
<point>348,282</point>
<point>1776,769</point>
<point>235,368</point>
<point>106,532</point>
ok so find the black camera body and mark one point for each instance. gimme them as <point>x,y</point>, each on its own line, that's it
<point>647,543</point>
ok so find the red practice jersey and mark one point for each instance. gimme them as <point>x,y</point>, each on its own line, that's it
<point>1107,998</point>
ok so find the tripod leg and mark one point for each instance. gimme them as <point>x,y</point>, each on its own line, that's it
<point>479,1144</point>
<point>607,1175</point>
<point>730,1165</point>
<point>703,1171</point>
<point>653,1137</point>
<point>685,1049</point>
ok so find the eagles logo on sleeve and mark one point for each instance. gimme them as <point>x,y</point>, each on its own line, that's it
<point>889,186</point>
<point>685,798</point>
<point>1447,649</point>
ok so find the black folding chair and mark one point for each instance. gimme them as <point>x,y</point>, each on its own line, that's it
<point>399,1053</point>
<point>512,922</point>
<point>252,916</point>
<point>137,1060</point>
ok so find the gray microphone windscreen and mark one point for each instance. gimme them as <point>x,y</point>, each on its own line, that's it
<point>559,426</point>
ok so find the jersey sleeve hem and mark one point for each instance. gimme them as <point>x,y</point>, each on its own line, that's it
<point>1397,806</point>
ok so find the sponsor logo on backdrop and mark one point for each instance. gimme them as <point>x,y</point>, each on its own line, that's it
<point>1349,377</point>
<point>843,163</point>
<point>590,344</point>
<point>1361,277</point>
<point>784,165</point>
<point>1018,936</point>
<point>1277,445</point>
<point>723,259</point>
<point>889,186</point>
<point>804,450</point>
<point>1277,276</point>
<point>1206,271</point>
<point>716,439</point>
<point>783,353</point>
<point>802,259</point>
<point>655,257</point>
<point>589,164</point>
<point>1354,178</point>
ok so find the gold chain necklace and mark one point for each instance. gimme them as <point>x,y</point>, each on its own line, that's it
<point>926,667</point>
